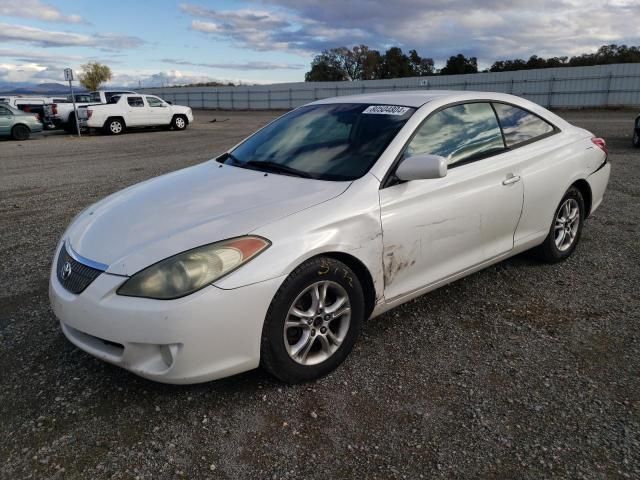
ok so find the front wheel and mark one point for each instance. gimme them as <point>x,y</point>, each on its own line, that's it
<point>179,122</point>
<point>566,228</point>
<point>20,132</point>
<point>313,321</point>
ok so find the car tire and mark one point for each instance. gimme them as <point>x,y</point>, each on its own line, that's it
<point>114,126</point>
<point>179,122</point>
<point>636,138</point>
<point>565,229</point>
<point>20,132</point>
<point>313,341</point>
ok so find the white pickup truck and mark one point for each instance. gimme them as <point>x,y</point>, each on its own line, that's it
<point>132,111</point>
<point>61,115</point>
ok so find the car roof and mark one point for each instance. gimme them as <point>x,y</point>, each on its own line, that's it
<point>417,98</point>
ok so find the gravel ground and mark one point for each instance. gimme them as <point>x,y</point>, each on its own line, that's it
<point>523,370</point>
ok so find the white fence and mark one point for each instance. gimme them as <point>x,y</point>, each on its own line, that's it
<point>616,85</point>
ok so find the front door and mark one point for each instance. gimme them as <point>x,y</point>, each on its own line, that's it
<point>6,120</point>
<point>434,229</point>
<point>158,111</point>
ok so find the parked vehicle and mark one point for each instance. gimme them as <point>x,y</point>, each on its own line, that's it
<point>17,124</point>
<point>61,113</point>
<point>275,252</point>
<point>30,104</point>
<point>636,132</point>
<point>134,111</point>
<point>104,96</point>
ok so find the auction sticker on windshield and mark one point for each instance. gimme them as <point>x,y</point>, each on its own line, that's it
<point>386,110</point>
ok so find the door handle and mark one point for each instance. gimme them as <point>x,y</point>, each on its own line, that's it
<point>511,178</point>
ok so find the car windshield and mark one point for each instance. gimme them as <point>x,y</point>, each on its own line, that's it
<point>326,142</point>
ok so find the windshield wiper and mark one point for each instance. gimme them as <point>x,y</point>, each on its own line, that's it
<point>278,168</point>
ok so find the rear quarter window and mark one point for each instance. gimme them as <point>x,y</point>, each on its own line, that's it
<point>519,125</point>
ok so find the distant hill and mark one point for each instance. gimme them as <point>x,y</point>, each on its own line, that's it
<point>37,88</point>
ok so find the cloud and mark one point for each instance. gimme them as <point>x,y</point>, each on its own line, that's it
<point>19,73</point>
<point>37,10</point>
<point>488,29</point>
<point>245,66</point>
<point>264,30</point>
<point>36,57</point>
<point>48,38</point>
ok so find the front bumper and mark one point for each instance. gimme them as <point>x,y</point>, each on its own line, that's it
<point>210,334</point>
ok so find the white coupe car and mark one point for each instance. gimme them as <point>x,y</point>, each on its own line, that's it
<point>275,252</point>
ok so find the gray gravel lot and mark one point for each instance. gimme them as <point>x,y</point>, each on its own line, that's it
<point>523,370</point>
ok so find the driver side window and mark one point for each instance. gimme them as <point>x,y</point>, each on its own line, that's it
<point>154,102</point>
<point>460,134</point>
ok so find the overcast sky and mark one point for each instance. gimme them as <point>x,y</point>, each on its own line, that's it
<point>264,41</point>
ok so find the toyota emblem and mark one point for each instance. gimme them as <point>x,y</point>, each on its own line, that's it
<point>65,273</point>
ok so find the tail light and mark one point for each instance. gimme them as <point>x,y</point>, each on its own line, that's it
<point>601,144</point>
<point>89,113</point>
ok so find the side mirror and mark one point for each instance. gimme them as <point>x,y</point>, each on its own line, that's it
<point>422,167</point>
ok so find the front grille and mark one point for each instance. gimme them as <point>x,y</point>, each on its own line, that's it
<point>73,275</point>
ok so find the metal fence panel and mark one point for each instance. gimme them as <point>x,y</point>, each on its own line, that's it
<point>613,85</point>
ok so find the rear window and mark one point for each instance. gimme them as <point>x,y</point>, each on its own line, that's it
<point>520,126</point>
<point>135,101</point>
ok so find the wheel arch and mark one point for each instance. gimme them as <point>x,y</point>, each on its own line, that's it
<point>183,115</point>
<point>585,189</point>
<point>361,271</point>
<point>113,117</point>
<point>21,125</point>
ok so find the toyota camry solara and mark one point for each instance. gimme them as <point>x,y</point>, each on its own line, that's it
<point>275,252</point>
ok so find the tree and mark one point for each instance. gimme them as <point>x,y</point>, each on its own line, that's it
<point>337,64</point>
<point>421,66</point>
<point>93,75</point>
<point>327,67</point>
<point>460,64</point>
<point>395,64</point>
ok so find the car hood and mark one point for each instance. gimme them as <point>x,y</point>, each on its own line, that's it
<point>153,220</point>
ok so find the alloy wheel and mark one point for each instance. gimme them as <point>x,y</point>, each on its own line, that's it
<point>317,323</point>
<point>567,224</point>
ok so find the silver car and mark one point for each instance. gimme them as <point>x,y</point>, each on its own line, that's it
<point>17,124</point>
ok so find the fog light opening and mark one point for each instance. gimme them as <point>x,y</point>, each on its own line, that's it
<point>168,354</point>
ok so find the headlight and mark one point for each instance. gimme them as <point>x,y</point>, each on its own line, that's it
<point>192,270</point>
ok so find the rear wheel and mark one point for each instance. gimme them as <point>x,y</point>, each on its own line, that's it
<point>179,122</point>
<point>114,126</point>
<point>566,228</point>
<point>313,321</point>
<point>20,132</point>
